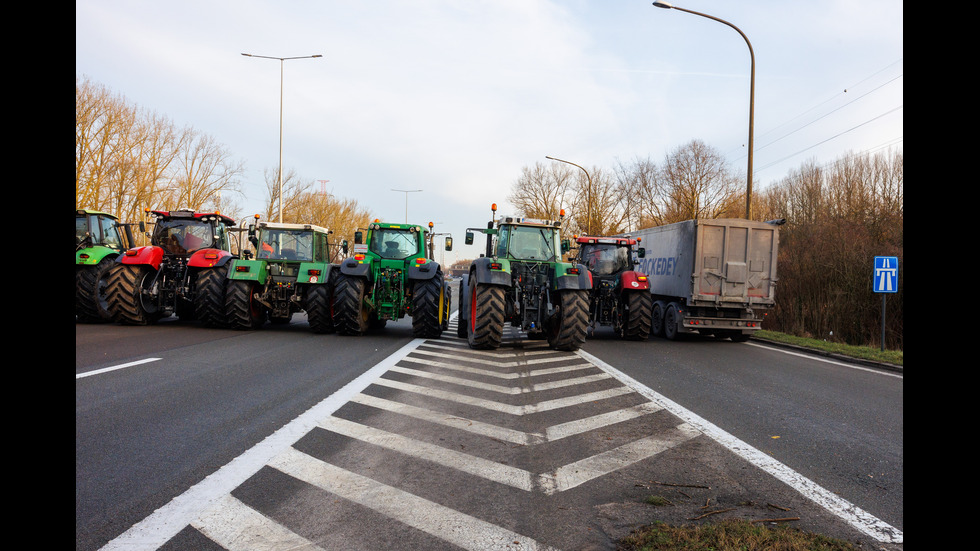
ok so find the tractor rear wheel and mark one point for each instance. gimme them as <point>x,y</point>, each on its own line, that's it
<point>129,296</point>
<point>569,325</point>
<point>319,308</point>
<point>90,287</point>
<point>486,323</point>
<point>243,312</point>
<point>638,318</point>
<point>350,317</point>
<point>209,297</point>
<point>428,307</point>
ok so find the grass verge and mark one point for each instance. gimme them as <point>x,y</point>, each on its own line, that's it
<point>894,357</point>
<point>728,535</point>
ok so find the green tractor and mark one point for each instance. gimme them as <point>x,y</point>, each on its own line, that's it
<point>392,275</point>
<point>99,239</point>
<point>290,271</point>
<point>523,281</point>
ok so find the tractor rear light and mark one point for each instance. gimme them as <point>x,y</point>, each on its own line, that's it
<point>242,268</point>
<point>211,255</point>
<point>496,266</point>
<point>83,256</point>
<point>641,278</point>
<point>573,271</point>
<point>131,252</point>
<point>314,272</point>
<point>420,261</point>
<point>358,257</point>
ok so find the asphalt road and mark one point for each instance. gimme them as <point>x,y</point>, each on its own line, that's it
<point>155,431</point>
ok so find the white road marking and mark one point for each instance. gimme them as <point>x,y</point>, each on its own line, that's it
<point>237,527</point>
<point>829,361</point>
<point>853,515</point>
<point>115,367</point>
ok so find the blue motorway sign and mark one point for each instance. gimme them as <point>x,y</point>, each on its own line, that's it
<point>886,274</point>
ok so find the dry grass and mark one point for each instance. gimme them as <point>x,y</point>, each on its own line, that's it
<point>728,535</point>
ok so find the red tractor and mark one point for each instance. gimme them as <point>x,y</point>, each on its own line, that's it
<point>620,295</point>
<point>183,271</point>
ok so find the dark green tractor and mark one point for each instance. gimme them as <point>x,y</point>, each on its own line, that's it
<point>392,275</point>
<point>99,239</point>
<point>522,280</point>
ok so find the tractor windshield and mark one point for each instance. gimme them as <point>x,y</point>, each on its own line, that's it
<point>286,245</point>
<point>102,230</point>
<point>394,244</point>
<point>605,259</point>
<point>182,236</point>
<point>527,242</point>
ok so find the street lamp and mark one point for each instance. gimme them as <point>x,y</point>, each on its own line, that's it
<point>406,192</point>
<point>748,186</point>
<point>588,210</point>
<point>282,61</point>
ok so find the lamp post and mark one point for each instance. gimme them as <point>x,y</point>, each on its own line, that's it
<point>748,186</point>
<point>282,61</point>
<point>406,192</point>
<point>588,210</point>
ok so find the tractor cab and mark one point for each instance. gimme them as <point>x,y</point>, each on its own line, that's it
<point>182,232</point>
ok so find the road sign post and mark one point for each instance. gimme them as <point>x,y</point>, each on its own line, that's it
<point>885,281</point>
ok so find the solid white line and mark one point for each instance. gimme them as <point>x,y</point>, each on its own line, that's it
<point>164,523</point>
<point>442,522</point>
<point>115,367</point>
<point>829,361</point>
<point>856,517</point>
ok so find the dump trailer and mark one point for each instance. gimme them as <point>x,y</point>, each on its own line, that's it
<point>714,277</point>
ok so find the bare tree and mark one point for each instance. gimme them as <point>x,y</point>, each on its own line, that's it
<point>699,184</point>
<point>540,191</point>
<point>203,173</point>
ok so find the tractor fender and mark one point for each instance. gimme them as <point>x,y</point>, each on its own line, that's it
<point>634,281</point>
<point>148,254</point>
<point>423,271</point>
<point>582,280</point>
<point>241,269</point>
<point>481,272</point>
<point>464,300</point>
<point>353,267</point>
<point>208,258</point>
<point>93,255</point>
<point>315,273</point>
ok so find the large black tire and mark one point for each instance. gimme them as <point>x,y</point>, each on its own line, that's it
<point>209,296</point>
<point>242,311</point>
<point>447,307</point>
<point>461,322</point>
<point>319,308</point>
<point>569,325</point>
<point>638,320</point>
<point>428,305</point>
<point>486,323</point>
<point>670,321</point>
<point>90,286</point>
<point>126,301</point>
<point>657,319</point>
<point>350,317</point>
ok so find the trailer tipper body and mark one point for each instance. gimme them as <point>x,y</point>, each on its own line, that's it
<point>716,277</point>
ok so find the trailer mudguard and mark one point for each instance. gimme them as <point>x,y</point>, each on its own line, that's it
<point>565,280</point>
<point>208,258</point>
<point>148,254</point>
<point>93,255</point>
<point>423,271</point>
<point>634,281</point>
<point>357,268</point>
<point>315,273</point>
<point>491,271</point>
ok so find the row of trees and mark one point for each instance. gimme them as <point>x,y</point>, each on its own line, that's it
<point>839,217</point>
<point>128,159</point>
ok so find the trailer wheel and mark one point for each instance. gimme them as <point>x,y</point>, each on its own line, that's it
<point>670,321</point>
<point>129,298</point>
<point>350,317</point>
<point>428,304</point>
<point>242,310</point>
<point>657,318</point>
<point>638,322</point>
<point>568,328</point>
<point>90,287</point>
<point>486,324</point>
<point>209,297</point>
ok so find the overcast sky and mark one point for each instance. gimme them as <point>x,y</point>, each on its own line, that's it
<point>454,97</point>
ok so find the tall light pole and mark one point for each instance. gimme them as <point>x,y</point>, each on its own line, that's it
<point>588,210</point>
<point>282,61</point>
<point>748,185</point>
<point>406,192</point>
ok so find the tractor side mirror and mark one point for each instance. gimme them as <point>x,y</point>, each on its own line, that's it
<point>449,243</point>
<point>566,245</point>
<point>469,238</point>
<point>358,237</point>
<point>641,252</point>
